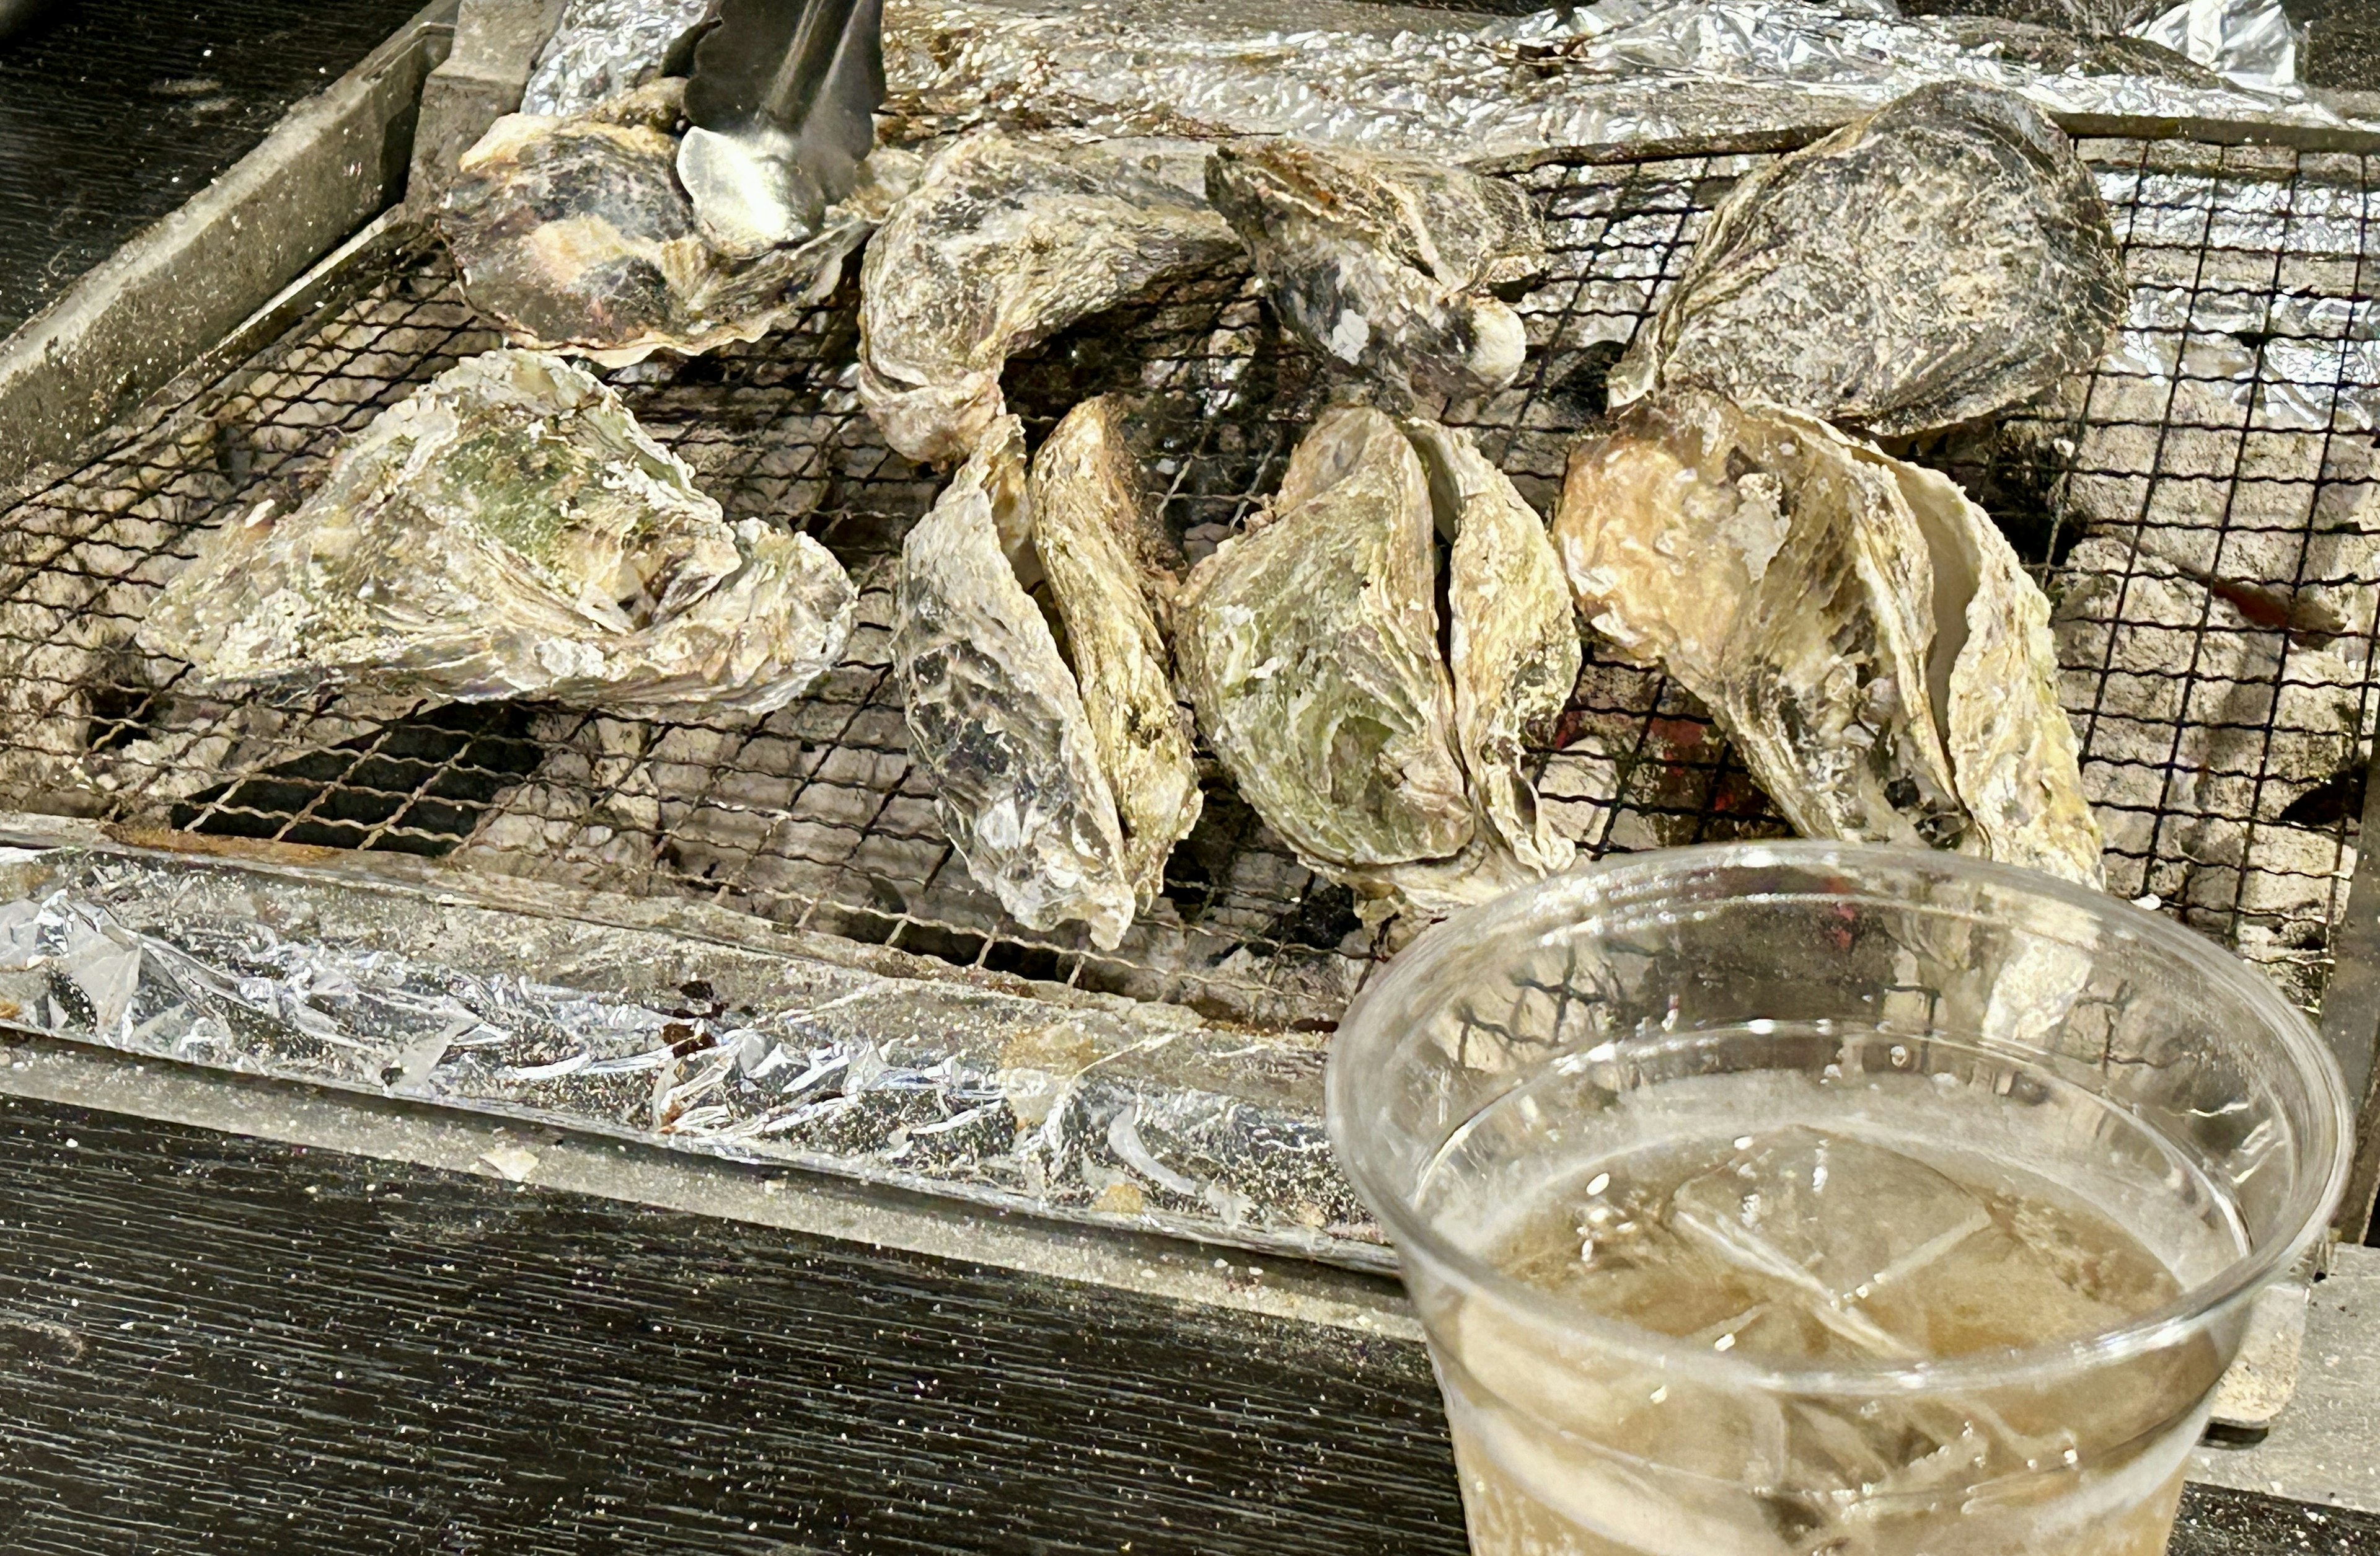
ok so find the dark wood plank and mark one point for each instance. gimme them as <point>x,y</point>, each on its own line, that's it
<point>218,1345</point>
<point>115,112</point>
<point>2215,1522</point>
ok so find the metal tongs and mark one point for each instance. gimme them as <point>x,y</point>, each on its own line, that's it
<point>781,104</point>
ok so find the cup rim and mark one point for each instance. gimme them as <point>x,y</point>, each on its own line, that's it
<point>1380,1009</point>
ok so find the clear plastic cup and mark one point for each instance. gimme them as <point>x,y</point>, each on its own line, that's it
<point>1823,1068</point>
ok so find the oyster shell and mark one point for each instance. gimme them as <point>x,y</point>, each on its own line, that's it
<point>1003,242</point>
<point>509,530</point>
<point>1861,630</point>
<point>1387,265</point>
<point>1309,648</point>
<point>1112,573</point>
<point>1946,257</point>
<point>995,720</point>
<point>575,233</point>
<point>1514,649</point>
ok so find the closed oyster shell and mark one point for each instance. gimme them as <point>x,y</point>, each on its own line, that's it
<point>1860,629</point>
<point>1387,265</point>
<point>1309,648</point>
<point>509,530</point>
<point>995,720</point>
<point>1992,675</point>
<point>1005,242</point>
<point>1112,571</point>
<point>1514,650</point>
<point>1942,259</point>
<point>575,233</point>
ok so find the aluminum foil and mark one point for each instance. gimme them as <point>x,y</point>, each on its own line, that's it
<point>2250,42</point>
<point>1457,86</point>
<point>860,1063</point>
<point>2292,359</point>
<point>1445,83</point>
<point>2294,362</point>
<point>604,47</point>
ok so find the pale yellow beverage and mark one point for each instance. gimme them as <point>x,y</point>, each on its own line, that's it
<point>1823,1200</point>
<point>1806,1247</point>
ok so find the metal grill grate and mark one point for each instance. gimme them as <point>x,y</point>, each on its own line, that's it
<point>2193,502</point>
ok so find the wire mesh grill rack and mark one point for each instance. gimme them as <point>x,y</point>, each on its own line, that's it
<point>2195,504</point>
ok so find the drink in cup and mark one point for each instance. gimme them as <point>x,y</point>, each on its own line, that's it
<point>1812,1199</point>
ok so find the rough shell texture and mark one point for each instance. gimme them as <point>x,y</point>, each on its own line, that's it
<point>1112,571</point>
<point>1386,264</point>
<point>2058,50</point>
<point>1942,259</point>
<point>2075,19</point>
<point>510,530</point>
<point>1861,630</point>
<point>1992,677</point>
<point>1003,242</point>
<point>575,233</point>
<point>1514,649</point>
<point>1309,648</point>
<point>995,720</point>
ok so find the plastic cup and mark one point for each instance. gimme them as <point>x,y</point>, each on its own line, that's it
<point>1978,1018</point>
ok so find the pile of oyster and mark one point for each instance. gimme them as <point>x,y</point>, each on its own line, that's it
<point>1308,649</point>
<point>1372,657</point>
<point>1860,629</point>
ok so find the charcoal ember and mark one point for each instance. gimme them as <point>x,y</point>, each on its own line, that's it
<point>1388,265</point>
<point>2207,728</point>
<point>1944,258</point>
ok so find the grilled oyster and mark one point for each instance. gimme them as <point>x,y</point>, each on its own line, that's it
<point>1860,629</point>
<point>1003,242</point>
<point>1944,258</point>
<point>509,530</point>
<point>575,233</point>
<point>994,716</point>
<point>1387,265</point>
<point>1515,647</point>
<point>1309,648</point>
<point>1113,572</point>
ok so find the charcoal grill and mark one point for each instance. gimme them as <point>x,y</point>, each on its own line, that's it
<point>2201,500</point>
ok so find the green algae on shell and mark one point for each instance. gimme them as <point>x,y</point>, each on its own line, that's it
<point>509,530</point>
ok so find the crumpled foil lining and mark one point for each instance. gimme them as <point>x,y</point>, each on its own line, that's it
<point>605,47</point>
<point>2251,42</point>
<point>2293,360</point>
<point>2317,370</point>
<point>850,1062</point>
<point>1450,84</point>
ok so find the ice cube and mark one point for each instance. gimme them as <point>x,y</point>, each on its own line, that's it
<point>1902,1261</point>
<point>1995,1290</point>
<point>1633,1456</point>
<point>1831,1224</point>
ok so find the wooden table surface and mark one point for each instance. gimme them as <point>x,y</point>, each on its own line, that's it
<point>115,112</point>
<point>218,1344</point>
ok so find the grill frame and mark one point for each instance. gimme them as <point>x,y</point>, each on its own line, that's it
<point>259,417</point>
